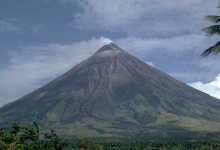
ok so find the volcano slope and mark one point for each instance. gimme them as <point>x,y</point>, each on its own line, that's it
<point>113,93</point>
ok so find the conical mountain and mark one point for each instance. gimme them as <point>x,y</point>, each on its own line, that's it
<point>114,93</point>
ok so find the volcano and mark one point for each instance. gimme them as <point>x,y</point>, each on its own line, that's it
<point>113,93</point>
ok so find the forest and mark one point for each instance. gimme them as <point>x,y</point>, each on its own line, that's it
<point>29,137</point>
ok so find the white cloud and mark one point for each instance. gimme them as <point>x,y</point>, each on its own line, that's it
<point>193,76</point>
<point>194,68</point>
<point>32,65</point>
<point>144,18</point>
<point>173,45</point>
<point>209,62</point>
<point>9,24</point>
<point>212,88</point>
<point>107,53</point>
<point>150,63</point>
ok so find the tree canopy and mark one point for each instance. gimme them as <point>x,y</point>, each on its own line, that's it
<point>212,30</point>
<point>28,138</point>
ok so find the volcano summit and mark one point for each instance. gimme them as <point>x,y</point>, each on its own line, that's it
<point>113,93</point>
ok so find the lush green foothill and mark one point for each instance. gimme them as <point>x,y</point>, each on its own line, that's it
<point>29,137</point>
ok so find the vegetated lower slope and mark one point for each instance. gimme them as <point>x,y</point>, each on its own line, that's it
<point>113,93</point>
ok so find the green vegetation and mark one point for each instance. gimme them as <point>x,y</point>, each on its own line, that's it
<point>162,145</point>
<point>85,143</point>
<point>212,30</point>
<point>154,145</point>
<point>28,138</point>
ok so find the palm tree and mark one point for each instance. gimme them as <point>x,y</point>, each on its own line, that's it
<point>212,30</point>
<point>32,133</point>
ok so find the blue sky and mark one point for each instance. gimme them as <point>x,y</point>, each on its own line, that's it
<point>42,39</point>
